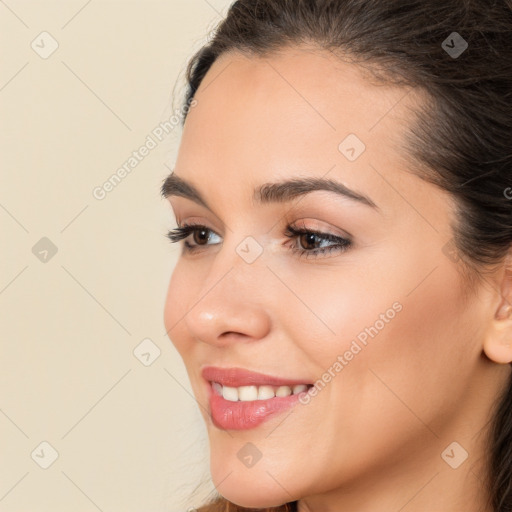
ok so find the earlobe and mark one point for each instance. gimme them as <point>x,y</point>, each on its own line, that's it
<point>504,312</point>
<point>498,343</point>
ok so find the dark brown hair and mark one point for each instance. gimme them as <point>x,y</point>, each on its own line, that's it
<point>460,139</point>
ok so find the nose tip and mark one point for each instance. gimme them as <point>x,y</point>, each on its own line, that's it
<point>231,311</point>
<point>220,323</point>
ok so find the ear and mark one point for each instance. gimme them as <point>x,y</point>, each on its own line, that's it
<point>498,340</point>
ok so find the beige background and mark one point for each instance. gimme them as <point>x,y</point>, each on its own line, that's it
<point>129,437</point>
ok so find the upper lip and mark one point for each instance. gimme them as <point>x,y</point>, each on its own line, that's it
<point>236,377</point>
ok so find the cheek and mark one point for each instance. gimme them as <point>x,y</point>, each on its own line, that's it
<point>339,310</point>
<point>401,305</point>
<point>176,307</point>
<point>421,359</point>
<point>373,337</point>
<point>427,355</point>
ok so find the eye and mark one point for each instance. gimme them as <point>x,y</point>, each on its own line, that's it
<point>310,243</point>
<point>201,235</point>
<point>313,243</point>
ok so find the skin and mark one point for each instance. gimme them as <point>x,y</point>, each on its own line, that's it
<point>372,438</point>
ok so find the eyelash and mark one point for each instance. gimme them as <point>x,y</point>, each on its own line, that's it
<point>182,232</point>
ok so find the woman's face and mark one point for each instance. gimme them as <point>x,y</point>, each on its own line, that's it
<point>382,325</point>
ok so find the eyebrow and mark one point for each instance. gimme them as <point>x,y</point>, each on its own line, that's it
<point>276,192</point>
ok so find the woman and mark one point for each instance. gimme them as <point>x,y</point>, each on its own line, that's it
<point>342,298</point>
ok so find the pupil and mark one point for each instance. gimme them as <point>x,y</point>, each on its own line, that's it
<point>200,235</point>
<point>310,237</point>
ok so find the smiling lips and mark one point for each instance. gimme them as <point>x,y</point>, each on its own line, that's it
<point>241,399</point>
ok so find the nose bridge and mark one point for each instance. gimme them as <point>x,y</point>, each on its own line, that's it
<point>241,260</point>
<point>233,296</point>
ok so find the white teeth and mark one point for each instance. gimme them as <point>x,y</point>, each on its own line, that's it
<point>246,393</point>
<point>217,388</point>
<point>283,391</point>
<point>230,394</point>
<point>250,393</point>
<point>265,392</point>
<point>299,388</point>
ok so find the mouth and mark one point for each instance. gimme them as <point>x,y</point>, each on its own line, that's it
<point>252,392</point>
<point>241,399</point>
<point>238,377</point>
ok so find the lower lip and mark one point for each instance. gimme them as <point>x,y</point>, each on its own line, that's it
<point>228,415</point>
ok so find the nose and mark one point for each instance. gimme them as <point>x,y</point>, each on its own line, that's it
<point>231,306</point>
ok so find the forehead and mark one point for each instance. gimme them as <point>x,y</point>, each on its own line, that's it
<point>260,119</point>
<point>325,93</point>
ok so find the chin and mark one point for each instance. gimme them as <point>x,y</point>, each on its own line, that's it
<point>250,488</point>
<point>253,497</point>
